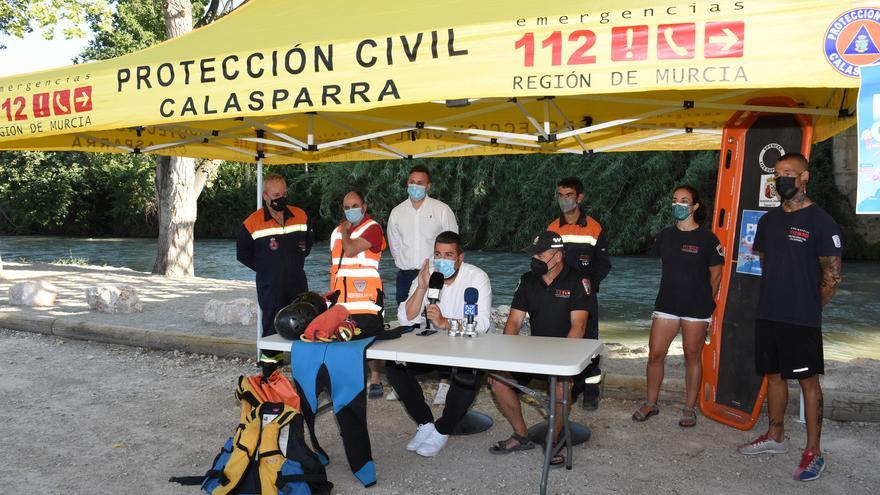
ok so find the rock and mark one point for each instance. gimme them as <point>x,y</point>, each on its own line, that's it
<point>499,319</point>
<point>113,299</point>
<point>32,293</point>
<point>241,311</point>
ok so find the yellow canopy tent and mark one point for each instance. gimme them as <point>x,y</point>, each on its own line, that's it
<point>282,82</point>
<point>301,82</point>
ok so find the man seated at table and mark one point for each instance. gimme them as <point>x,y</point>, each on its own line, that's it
<point>432,435</point>
<point>557,301</point>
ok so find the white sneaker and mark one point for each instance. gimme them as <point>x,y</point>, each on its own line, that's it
<point>391,395</point>
<point>421,434</point>
<point>432,445</point>
<point>440,396</point>
<point>763,445</point>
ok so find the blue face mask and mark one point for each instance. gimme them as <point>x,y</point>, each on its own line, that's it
<point>416,192</point>
<point>354,215</point>
<point>445,267</point>
<point>680,211</point>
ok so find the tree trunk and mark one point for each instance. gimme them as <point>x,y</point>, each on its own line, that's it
<point>176,199</point>
<point>175,180</point>
<point>178,17</point>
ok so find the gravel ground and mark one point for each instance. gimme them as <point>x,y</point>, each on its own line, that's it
<point>90,418</point>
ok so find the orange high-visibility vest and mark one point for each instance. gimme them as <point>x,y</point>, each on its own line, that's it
<point>356,277</point>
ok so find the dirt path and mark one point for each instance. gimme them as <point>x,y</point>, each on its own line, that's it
<point>88,418</point>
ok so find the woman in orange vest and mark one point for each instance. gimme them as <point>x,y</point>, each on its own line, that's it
<point>356,247</point>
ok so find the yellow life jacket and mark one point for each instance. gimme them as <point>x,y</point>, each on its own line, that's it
<point>256,445</point>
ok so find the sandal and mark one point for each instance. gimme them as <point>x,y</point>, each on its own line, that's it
<point>558,458</point>
<point>688,417</point>
<point>522,443</point>
<point>641,416</point>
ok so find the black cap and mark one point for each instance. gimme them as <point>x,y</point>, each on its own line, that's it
<point>544,241</point>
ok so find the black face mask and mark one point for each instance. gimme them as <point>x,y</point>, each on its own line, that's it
<point>786,187</point>
<point>538,267</point>
<point>278,204</point>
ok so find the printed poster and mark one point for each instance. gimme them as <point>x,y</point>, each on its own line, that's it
<point>868,185</point>
<point>747,262</point>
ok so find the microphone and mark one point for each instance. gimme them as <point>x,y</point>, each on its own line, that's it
<point>471,296</point>
<point>435,285</point>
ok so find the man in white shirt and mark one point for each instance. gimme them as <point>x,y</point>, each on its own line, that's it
<point>432,435</point>
<point>412,227</point>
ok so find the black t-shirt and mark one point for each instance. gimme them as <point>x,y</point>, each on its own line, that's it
<point>550,307</point>
<point>685,289</point>
<point>792,243</point>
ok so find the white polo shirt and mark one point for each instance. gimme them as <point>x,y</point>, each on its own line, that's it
<point>452,298</point>
<point>411,232</point>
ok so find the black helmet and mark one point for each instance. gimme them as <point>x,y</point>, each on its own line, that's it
<point>292,320</point>
<point>318,302</point>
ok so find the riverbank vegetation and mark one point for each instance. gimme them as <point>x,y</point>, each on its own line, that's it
<point>500,201</point>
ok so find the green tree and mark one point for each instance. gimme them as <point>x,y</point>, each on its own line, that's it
<point>19,17</point>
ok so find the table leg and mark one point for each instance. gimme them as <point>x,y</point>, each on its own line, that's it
<point>548,444</point>
<point>566,426</point>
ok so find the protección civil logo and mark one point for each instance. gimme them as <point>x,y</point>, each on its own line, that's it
<point>852,41</point>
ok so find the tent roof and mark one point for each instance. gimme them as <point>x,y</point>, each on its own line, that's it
<point>345,81</point>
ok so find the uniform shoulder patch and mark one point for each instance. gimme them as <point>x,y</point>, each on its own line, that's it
<point>720,250</point>
<point>836,239</point>
<point>586,284</point>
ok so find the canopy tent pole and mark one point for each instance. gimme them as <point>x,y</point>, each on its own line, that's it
<point>259,206</point>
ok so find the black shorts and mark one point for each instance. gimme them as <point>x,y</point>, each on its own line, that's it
<point>793,351</point>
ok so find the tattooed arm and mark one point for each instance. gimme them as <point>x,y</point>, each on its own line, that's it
<point>830,277</point>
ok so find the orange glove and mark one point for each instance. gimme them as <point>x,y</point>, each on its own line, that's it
<point>324,326</point>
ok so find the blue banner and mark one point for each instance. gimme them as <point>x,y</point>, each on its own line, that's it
<point>868,186</point>
<point>747,262</point>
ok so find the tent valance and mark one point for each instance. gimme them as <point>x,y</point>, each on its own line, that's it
<point>347,81</point>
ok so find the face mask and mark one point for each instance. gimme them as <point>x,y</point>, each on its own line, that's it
<point>680,211</point>
<point>567,204</point>
<point>416,192</point>
<point>445,267</point>
<point>354,215</point>
<point>786,187</point>
<point>278,204</point>
<point>538,267</point>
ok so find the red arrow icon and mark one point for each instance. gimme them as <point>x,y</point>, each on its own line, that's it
<point>82,99</point>
<point>724,39</point>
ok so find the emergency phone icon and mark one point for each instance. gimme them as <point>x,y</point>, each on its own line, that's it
<point>676,41</point>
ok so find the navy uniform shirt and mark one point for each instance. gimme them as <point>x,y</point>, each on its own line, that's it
<point>550,306</point>
<point>685,288</point>
<point>792,243</point>
<point>276,252</point>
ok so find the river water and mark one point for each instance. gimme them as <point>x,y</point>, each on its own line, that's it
<point>851,324</point>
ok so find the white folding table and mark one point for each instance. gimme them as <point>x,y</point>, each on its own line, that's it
<point>553,357</point>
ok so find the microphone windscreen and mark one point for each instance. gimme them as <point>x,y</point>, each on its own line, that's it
<point>436,281</point>
<point>471,295</point>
